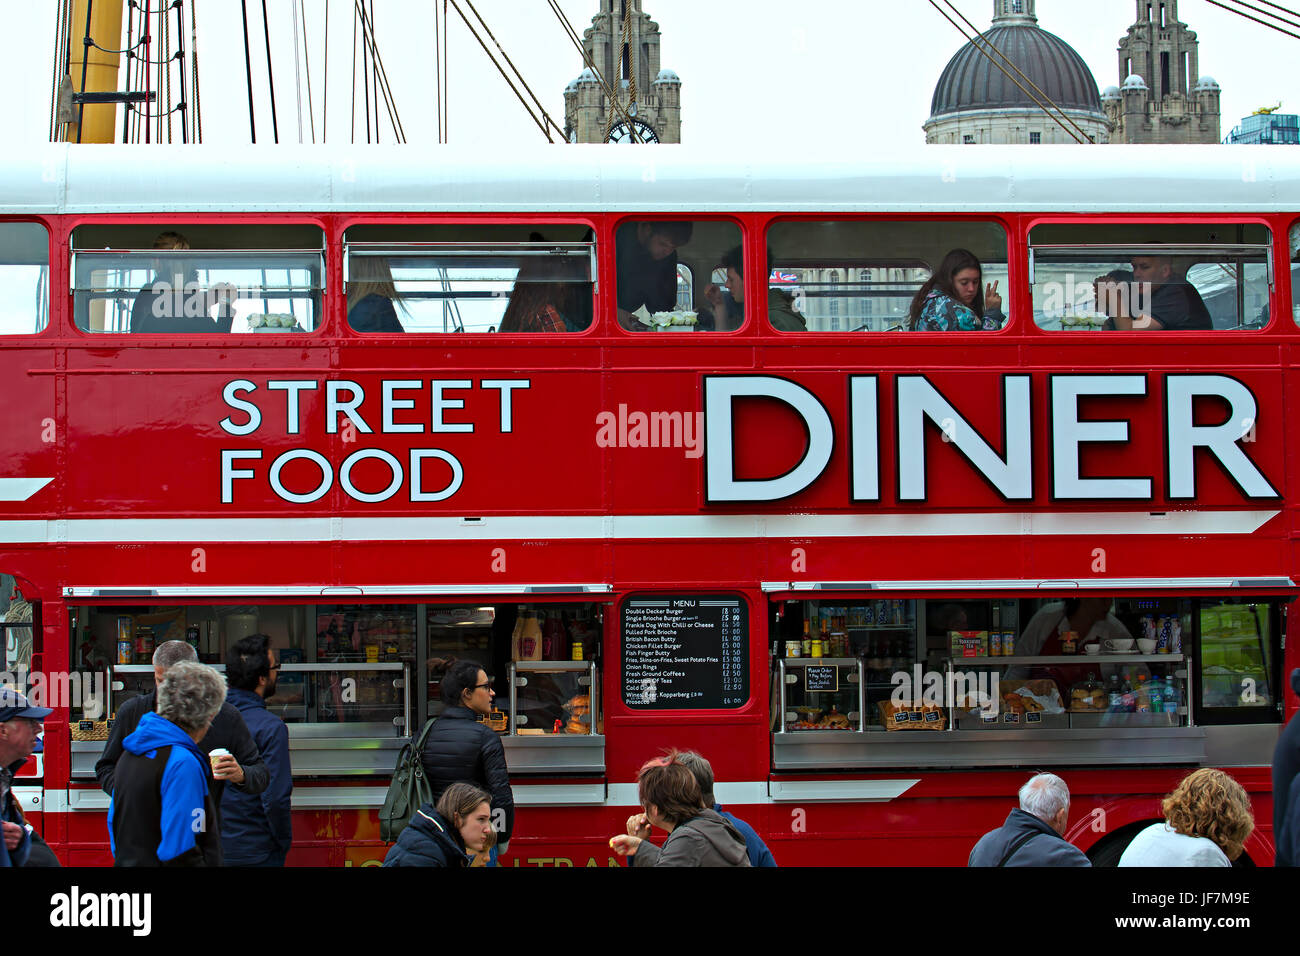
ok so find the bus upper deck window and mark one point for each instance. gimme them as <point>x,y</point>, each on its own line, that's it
<point>195,279</point>
<point>470,278</point>
<point>665,271</point>
<point>875,276</point>
<point>24,278</point>
<point>1160,278</point>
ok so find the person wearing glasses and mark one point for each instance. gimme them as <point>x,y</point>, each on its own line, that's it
<point>461,749</point>
<point>257,828</point>
<point>20,725</point>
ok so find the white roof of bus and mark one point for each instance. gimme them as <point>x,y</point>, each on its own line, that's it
<point>62,178</point>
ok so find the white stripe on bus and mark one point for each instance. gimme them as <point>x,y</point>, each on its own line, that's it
<point>624,527</point>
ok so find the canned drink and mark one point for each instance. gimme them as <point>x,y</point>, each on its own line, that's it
<point>995,644</point>
<point>125,652</point>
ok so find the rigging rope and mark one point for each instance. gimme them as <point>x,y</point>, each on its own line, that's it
<point>248,72</point>
<point>540,107</point>
<point>325,85</point>
<point>355,21</point>
<point>165,66</point>
<point>306,56</point>
<point>586,57</point>
<point>1271,26</point>
<point>270,77</point>
<point>196,115</point>
<point>1040,103</point>
<point>381,83</point>
<point>297,72</point>
<point>437,67</point>
<point>513,89</point>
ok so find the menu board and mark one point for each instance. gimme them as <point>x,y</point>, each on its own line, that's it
<point>685,652</point>
<point>821,678</point>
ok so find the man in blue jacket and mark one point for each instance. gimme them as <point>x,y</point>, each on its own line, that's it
<point>257,828</point>
<point>1286,797</point>
<point>759,854</point>
<point>20,724</point>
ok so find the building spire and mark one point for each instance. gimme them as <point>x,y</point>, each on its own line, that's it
<point>1013,12</point>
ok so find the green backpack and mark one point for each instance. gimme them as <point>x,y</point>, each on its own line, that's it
<point>408,791</point>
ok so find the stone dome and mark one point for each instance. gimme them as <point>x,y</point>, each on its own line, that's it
<point>1110,93</point>
<point>668,76</point>
<point>586,76</point>
<point>1207,84</point>
<point>1134,82</point>
<point>971,81</point>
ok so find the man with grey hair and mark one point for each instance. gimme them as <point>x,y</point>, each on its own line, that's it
<point>243,766</point>
<point>1034,833</point>
<point>162,813</point>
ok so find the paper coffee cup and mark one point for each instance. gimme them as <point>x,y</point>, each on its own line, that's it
<point>216,755</point>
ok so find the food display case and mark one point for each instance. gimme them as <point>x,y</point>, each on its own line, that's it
<point>973,682</point>
<point>553,718</point>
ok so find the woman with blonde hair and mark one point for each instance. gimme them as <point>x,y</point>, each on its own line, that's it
<point>1207,821</point>
<point>371,294</point>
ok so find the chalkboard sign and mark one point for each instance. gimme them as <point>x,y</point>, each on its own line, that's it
<point>685,652</point>
<point>821,678</point>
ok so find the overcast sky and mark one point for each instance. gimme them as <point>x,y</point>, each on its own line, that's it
<point>826,73</point>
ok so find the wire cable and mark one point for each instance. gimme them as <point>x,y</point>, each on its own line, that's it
<point>248,72</point>
<point>1271,26</point>
<point>382,84</point>
<point>586,58</point>
<point>270,77</point>
<point>540,107</point>
<point>501,70</point>
<point>297,67</point>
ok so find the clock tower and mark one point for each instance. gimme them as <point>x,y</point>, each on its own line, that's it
<point>623,43</point>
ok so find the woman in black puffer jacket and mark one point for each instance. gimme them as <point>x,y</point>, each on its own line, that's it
<point>441,837</point>
<point>460,748</point>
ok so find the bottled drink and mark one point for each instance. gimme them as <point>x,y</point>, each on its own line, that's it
<point>1143,697</point>
<point>1156,693</point>
<point>1115,693</point>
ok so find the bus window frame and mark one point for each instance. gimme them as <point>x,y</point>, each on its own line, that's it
<point>1006,222</point>
<point>339,243</point>
<point>179,222</point>
<point>615,223</point>
<point>52,319</point>
<point>1030,222</point>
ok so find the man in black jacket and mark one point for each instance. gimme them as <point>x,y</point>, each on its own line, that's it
<point>243,767</point>
<point>462,750</point>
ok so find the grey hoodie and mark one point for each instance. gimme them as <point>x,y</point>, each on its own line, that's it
<point>704,840</point>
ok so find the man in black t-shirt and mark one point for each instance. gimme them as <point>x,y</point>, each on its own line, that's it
<point>646,261</point>
<point>1173,302</point>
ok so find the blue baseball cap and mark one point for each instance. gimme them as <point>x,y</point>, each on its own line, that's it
<point>15,704</point>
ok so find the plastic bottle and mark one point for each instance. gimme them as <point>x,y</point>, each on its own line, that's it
<point>1115,693</point>
<point>1156,693</point>
<point>1143,696</point>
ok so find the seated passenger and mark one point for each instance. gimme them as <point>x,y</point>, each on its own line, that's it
<point>550,295</point>
<point>173,302</point>
<point>1171,301</point>
<point>955,299</point>
<point>728,310</point>
<point>646,263</point>
<point>371,295</point>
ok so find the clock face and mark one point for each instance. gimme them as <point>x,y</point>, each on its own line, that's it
<point>620,133</point>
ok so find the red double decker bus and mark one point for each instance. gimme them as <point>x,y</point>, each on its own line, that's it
<point>675,450</point>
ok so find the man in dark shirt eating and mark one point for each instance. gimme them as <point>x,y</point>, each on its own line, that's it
<point>1171,301</point>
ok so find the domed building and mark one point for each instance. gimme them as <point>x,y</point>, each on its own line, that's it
<point>976,102</point>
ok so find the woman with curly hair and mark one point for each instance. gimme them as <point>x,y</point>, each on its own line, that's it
<point>1207,821</point>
